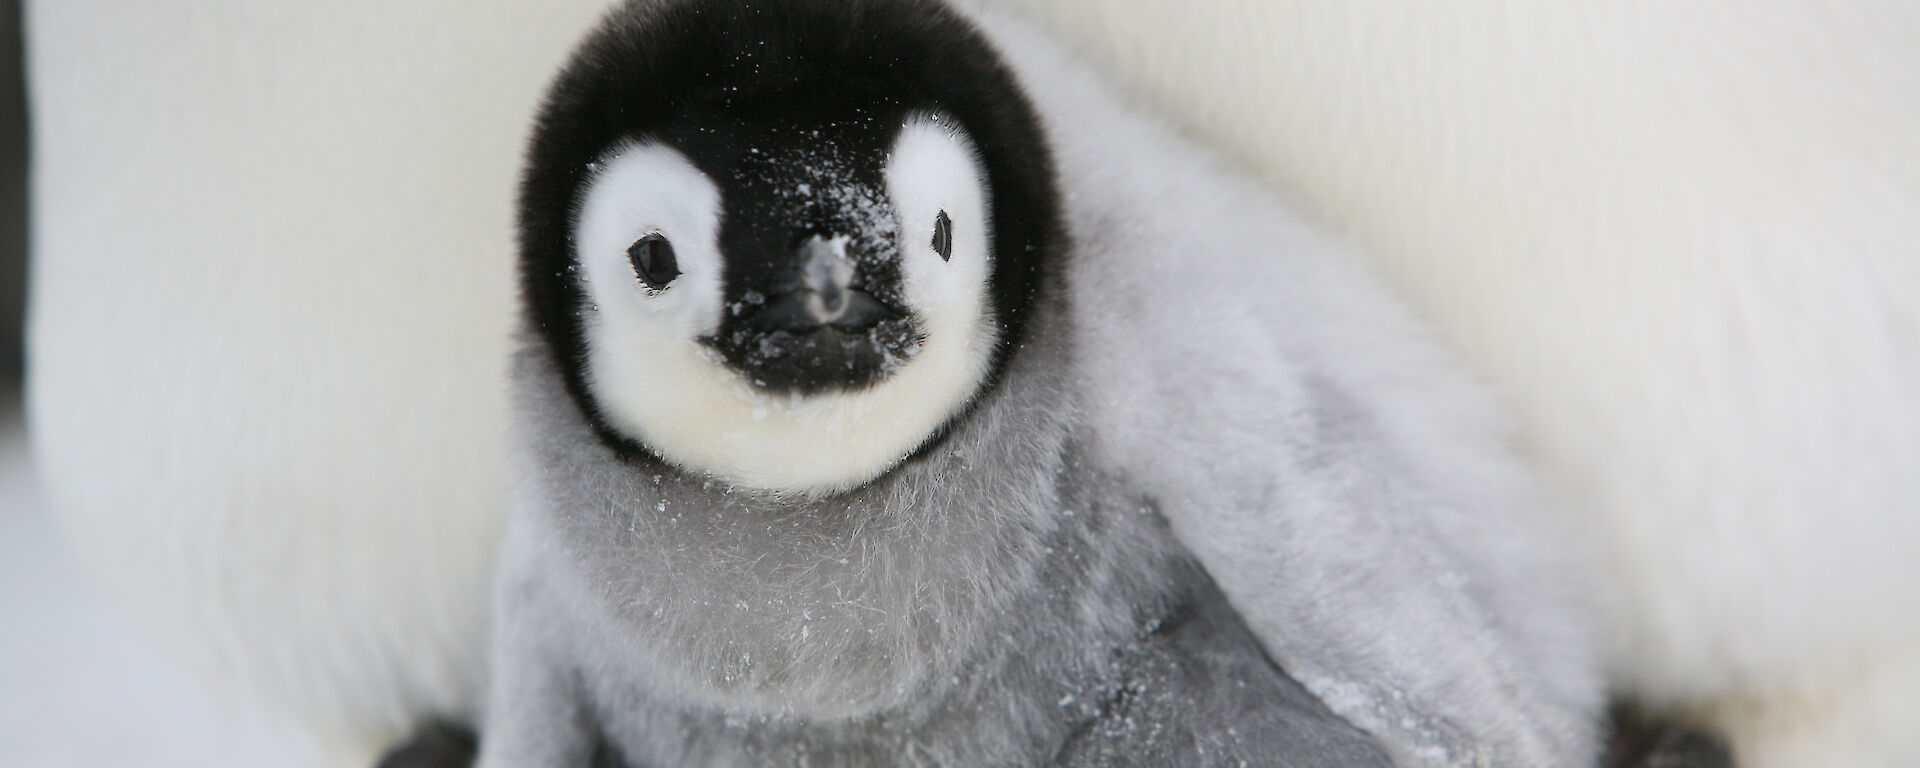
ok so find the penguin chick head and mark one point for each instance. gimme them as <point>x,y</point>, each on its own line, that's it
<point>781,242</point>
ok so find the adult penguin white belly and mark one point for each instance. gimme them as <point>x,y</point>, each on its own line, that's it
<point>1681,240</point>
<point>271,296</point>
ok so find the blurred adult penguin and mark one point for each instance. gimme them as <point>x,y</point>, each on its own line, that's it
<point>269,316</point>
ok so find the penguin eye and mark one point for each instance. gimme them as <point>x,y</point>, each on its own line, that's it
<point>653,261</point>
<point>943,236</point>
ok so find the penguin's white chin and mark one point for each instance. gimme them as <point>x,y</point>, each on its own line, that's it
<point>681,401</point>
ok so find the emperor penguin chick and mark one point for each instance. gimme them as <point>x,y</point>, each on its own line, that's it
<point>892,396</point>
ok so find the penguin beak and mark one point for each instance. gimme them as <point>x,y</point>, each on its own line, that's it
<point>819,328</point>
<point>824,295</point>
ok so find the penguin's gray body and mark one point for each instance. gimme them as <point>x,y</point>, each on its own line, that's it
<point>999,603</point>
<point>1215,500</point>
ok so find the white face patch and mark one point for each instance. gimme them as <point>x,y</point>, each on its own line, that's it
<point>935,170</point>
<point>654,380</point>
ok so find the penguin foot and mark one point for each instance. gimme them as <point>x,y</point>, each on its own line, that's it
<point>434,745</point>
<point>1641,742</point>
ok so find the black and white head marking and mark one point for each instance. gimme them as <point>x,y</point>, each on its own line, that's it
<point>784,243</point>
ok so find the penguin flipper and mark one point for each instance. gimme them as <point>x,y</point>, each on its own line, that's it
<point>1201,691</point>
